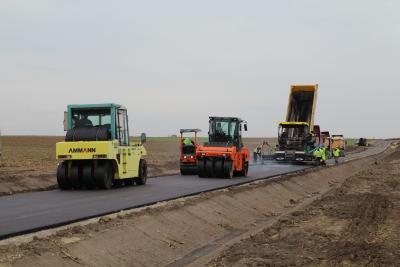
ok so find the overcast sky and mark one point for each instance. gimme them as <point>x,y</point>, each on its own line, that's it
<point>173,63</point>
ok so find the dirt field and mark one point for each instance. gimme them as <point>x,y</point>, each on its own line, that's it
<point>28,162</point>
<point>354,225</point>
<point>329,216</point>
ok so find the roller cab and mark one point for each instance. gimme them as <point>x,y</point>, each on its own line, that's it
<point>97,152</point>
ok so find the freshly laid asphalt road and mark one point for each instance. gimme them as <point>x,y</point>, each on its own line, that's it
<point>30,212</point>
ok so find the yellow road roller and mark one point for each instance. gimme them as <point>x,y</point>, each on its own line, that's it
<point>97,151</point>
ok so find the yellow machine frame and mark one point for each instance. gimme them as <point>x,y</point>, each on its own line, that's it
<point>125,159</point>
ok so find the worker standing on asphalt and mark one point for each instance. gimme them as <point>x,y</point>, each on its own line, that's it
<point>336,155</point>
<point>256,153</point>
<point>319,154</point>
<point>323,156</point>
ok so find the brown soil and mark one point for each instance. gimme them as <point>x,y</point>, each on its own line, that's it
<point>274,219</point>
<point>354,225</point>
<point>28,162</point>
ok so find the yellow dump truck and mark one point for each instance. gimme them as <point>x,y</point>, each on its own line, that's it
<point>296,136</point>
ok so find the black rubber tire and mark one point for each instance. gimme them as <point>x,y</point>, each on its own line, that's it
<point>210,168</point>
<point>62,176</point>
<point>188,169</point>
<point>75,175</point>
<point>201,170</point>
<point>219,168</point>
<point>184,171</point>
<point>142,179</point>
<point>245,171</point>
<point>87,176</point>
<point>103,175</point>
<point>228,169</point>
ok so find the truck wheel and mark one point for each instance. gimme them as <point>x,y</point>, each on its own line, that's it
<point>228,169</point>
<point>62,176</point>
<point>75,175</point>
<point>201,170</point>
<point>87,175</point>
<point>142,173</point>
<point>103,175</point>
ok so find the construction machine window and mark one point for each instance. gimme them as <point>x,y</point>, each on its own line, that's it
<point>91,118</point>
<point>122,128</point>
<point>224,131</point>
<point>293,132</point>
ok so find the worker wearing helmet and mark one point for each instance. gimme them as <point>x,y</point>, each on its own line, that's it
<point>323,154</point>
<point>319,154</point>
<point>336,155</point>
